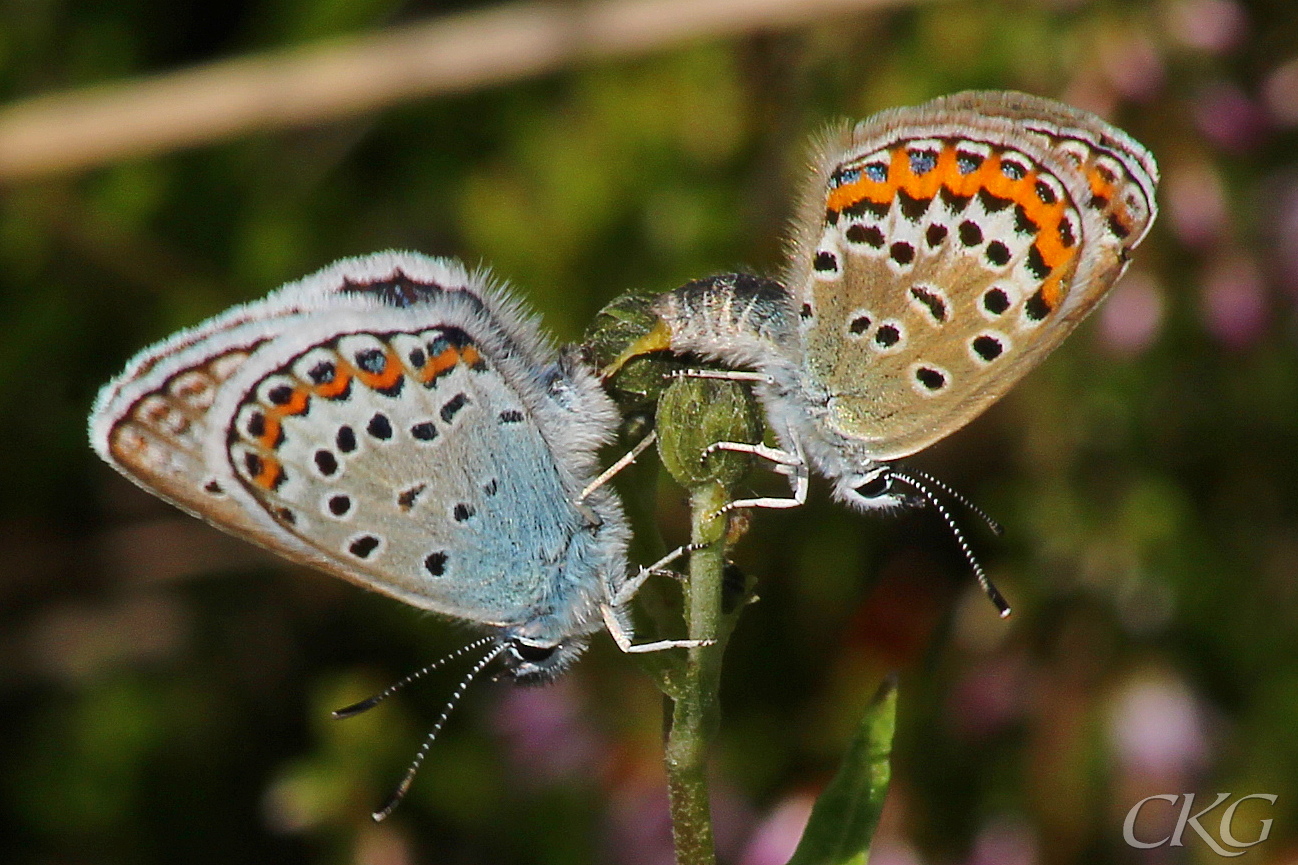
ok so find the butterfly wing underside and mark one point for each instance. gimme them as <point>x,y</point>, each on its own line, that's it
<point>403,448</point>
<point>946,249</point>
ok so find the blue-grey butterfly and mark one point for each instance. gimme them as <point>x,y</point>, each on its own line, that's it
<point>401,423</point>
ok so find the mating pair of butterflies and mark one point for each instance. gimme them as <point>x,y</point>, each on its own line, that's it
<point>402,423</point>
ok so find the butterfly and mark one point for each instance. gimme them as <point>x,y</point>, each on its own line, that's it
<point>939,253</point>
<point>403,424</point>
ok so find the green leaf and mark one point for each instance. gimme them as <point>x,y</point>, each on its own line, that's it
<point>843,821</point>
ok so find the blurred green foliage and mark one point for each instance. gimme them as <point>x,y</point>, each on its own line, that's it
<point>166,691</point>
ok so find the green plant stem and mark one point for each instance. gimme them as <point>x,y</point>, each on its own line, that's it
<point>694,707</point>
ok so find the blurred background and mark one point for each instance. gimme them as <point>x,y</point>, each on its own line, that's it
<point>165,689</point>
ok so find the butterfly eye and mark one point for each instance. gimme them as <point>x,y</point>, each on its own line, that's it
<point>874,487</point>
<point>531,654</point>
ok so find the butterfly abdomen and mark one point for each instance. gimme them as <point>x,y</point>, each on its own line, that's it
<point>736,318</point>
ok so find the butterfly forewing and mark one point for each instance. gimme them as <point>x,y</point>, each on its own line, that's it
<point>954,251</point>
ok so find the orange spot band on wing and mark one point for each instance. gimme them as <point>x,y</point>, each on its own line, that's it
<point>879,192</point>
<point>443,362</point>
<point>270,436</point>
<point>337,386</point>
<point>1052,291</point>
<point>472,357</point>
<point>388,378</point>
<point>989,176</point>
<point>298,403</point>
<point>1101,186</point>
<point>271,474</point>
<point>924,185</point>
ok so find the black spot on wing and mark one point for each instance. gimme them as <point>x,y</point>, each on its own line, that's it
<point>912,208</point>
<point>887,336</point>
<point>902,253</point>
<point>326,462</point>
<point>826,262</point>
<point>453,406</point>
<point>934,303</point>
<point>996,301</point>
<point>345,439</point>
<point>987,347</point>
<point>1066,236</point>
<point>364,546</point>
<point>867,234</point>
<point>435,563</point>
<point>970,233</point>
<point>930,378</point>
<point>1036,308</point>
<point>406,498</point>
<point>998,253</point>
<point>379,427</point>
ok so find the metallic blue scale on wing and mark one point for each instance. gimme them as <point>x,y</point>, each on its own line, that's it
<point>524,551</point>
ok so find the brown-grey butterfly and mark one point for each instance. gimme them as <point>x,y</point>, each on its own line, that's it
<point>938,254</point>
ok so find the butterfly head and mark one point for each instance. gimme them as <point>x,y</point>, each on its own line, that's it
<point>533,661</point>
<point>874,487</point>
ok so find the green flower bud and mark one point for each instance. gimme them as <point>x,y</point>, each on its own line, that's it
<point>694,413</point>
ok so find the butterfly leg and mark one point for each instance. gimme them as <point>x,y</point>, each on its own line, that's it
<point>792,464</point>
<point>799,498</point>
<point>628,589</point>
<point>622,636</point>
<point>625,460</point>
<point>724,375</point>
<point>778,456</point>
